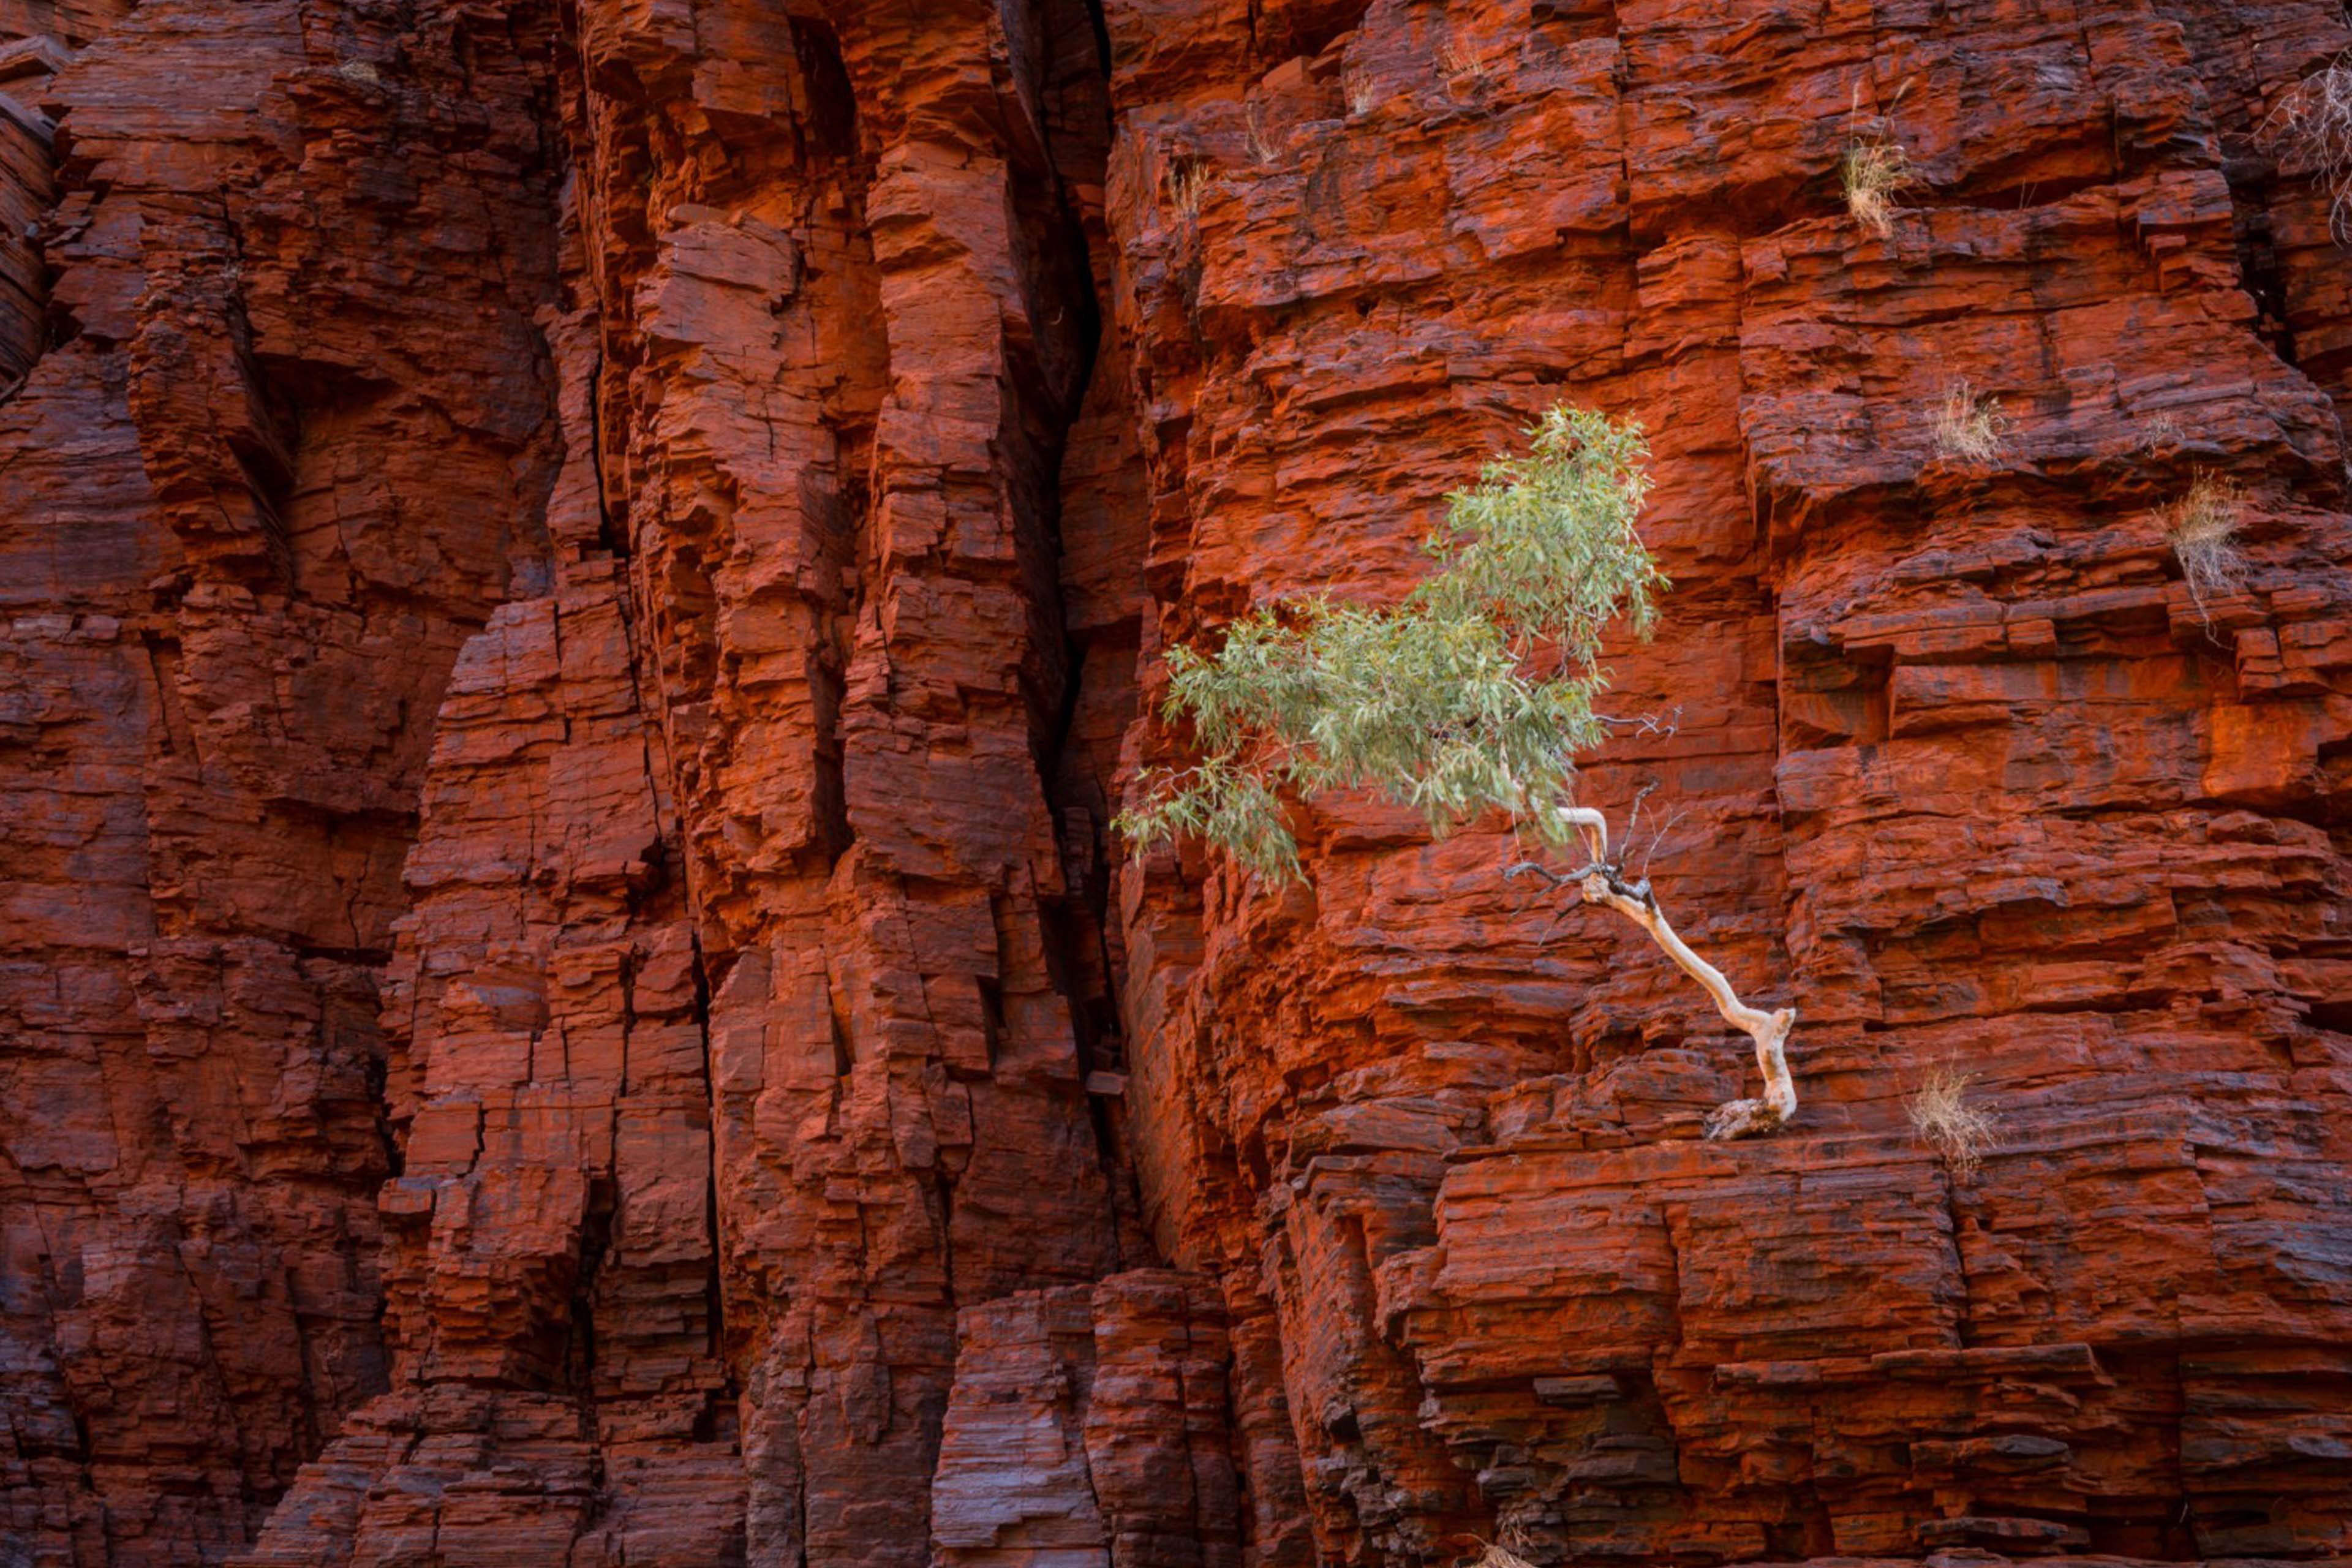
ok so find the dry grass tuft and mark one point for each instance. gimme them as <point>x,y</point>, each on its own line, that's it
<point>2161,434</point>
<point>1873,171</point>
<point>1946,1121</point>
<point>1970,426</point>
<point>1875,166</point>
<point>1187,183</point>
<point>1496,1556</point>
<point>1261,148</point>
<point>2202,529</point>
<point>1458,62</point>
<point>2311,130</point>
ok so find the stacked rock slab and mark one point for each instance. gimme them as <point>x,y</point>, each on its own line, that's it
<point>1948,757</point>
<point>261,485</point>
<point>583,582</point>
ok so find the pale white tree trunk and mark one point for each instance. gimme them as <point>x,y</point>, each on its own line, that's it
<point>1600,884</point>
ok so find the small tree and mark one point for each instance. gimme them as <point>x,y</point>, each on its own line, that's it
<point>1473,693</point>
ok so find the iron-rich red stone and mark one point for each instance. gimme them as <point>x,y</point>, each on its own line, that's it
<point>583,582</point>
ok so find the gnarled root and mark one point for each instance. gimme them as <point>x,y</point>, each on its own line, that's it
<point>1602,884</point>
<point>1741,1118</point>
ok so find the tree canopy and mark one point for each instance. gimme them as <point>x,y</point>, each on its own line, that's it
<point>1475,692</point>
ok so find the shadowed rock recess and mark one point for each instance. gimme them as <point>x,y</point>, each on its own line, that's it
<point>583,578</point>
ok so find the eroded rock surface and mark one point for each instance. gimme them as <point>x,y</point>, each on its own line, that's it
<point>585,581</point>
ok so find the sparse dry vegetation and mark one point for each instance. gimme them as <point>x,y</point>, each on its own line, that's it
<point>1458,62</point>
<point>1187,183</point>
<point>1947,1122</point>
<point>1873,170</point>
<point>2311,133</point>
<point>1970,426</point>
<point>2202,529</point>
<point>1874,167</point>
<point>2161,434</point>
<point>1497,1556</point>
<point>1261,147</point>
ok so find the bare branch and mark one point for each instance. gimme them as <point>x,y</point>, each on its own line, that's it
<point>1645,723</point>
<point>1537,868</point>
<point>1633,817</point>
<point>1600,884</point>
<point>1592,826</point>
<point>1657,838</point>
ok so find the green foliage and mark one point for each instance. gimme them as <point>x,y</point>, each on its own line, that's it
<point>1435,701</point>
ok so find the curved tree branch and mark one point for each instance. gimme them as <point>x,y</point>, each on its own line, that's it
<point>1602,884</point>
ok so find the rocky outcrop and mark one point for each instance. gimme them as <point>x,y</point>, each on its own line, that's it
<point>1090,1426</point>
<point>584,582</point>
<point>1947,755</point>
<point>269,475</point>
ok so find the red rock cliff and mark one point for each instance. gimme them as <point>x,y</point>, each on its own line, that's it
<point>584,579</point>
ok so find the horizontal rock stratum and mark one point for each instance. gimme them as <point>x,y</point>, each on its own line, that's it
<point>583,581</point>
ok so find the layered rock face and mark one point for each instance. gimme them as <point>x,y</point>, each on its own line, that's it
<point>583,584</point>
<point>281,451</point>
